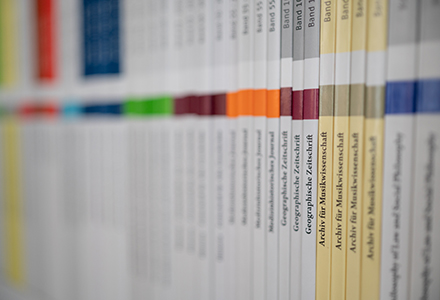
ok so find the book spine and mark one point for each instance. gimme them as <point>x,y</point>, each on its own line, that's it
<point>356,151</point>
<point>272,140</point>
<point>244,149</point>
<point>171,263</point>
<point>177,133</point>
<point>204,142</point>
<point>220,164</point>
<point>325,163</point>
<point>14,268</point>
<point>166,105</point>
<point>341,148</point>
<point>285,150</point>
<point>425,241</point>
<point>398,149</point>
<point>189,38</point>
<point>106,23</point>
<point>259,151</point>
<point>232,114</point>
<point>377,13</point>
<point>297,137</point>
<point>310,149</point>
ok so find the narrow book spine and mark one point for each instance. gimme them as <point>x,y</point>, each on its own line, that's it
<point>12,200</point>
<point>325,160</point>
<point>244,147</point>
<point>341,148</point>
<point>297,137</point>
<point>259,151</point>
<point>373,145</point>
<point>398,150</point>
<point>232,114</point>
<point>272,140</point>
<point>355,159</point>
<point>204,142</point>
<point>310,149</point>
<point>285,148</point>
<point>425,264</point>
<point>220,189</point>
<point>191,288</point>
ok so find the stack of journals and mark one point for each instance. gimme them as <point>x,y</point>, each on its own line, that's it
<point>219,149</point>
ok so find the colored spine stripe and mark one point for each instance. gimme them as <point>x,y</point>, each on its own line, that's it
<point>46,26</point>
<point>427,96</point>
<point>101,53</point>
<point>31,110</point>
<point>162,106</point>
<point>71,110</point>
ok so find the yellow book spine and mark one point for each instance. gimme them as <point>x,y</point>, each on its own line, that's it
<point>325,151</point>
<point>12,205</point>
<point>356,151</point>
<point>341,148</point>
<point>373,147</point>
<point>323,243</point>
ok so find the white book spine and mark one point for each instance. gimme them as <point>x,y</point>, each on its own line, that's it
<point>244,149</point>
<point>425,263</point>
<point>272,148</point>
<point>297,138</point>
<point>398,151</point>
<point>285,149</point>
<point>310,150</point>
<point>231,152</point>
<point>259,152</point>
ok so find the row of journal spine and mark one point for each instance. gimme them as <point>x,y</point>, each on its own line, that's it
<point>219,149</point>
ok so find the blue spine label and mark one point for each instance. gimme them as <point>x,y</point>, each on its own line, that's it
<point>400,97</point>
<point>428,96</point>
<point>101,52</point>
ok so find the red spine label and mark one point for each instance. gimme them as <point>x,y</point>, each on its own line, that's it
<point>46,40</point>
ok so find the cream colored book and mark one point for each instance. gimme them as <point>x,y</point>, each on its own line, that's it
<point>356,149</point>
<point>377,18</point>
<point>325,149</point>
<point>340,148</point>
